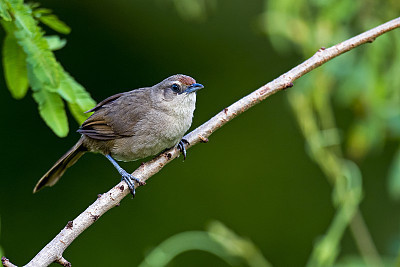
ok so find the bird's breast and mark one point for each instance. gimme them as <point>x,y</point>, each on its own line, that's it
<point>158,131</point>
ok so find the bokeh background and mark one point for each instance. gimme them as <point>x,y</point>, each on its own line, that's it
<point>258,174</point>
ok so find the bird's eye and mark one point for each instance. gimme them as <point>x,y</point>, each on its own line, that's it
<point>176,88</point>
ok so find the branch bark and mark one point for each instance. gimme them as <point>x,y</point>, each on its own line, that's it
<point>53,251</point>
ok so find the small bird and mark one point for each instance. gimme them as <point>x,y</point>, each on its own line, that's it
<point>133,125</point>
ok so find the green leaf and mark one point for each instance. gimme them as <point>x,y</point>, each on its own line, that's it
<point>4,14</point>
<point>78,99</point>
<point>33,5</point>
<point>14,63</point>
<point>394,177</point>
<point>365,136</point>
<point>41,61</point>
<point>55,42</point>
<point>37,12</point>
<point>46,76</point>
<point>77,112</point>
<point>77,92</point>
<point>46,17</point>
<point>55,23</point>
<point>51,109</point>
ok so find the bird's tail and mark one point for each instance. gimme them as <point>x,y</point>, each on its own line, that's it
<point>67,160</point>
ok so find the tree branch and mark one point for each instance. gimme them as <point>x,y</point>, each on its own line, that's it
<point>53,251</point>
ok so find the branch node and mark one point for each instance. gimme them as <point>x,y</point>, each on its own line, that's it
<point>287,85</point>
<point>63,262</point>
<point>99,196</point>
<point>263,90</point>
<point>95,217</point>
<point>6,262</point>
<point>203,139</point>
<point>70,224</point>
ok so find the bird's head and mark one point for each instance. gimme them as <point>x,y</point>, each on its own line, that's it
<point>181,84</point>
<point>177,93</point>
<point>178,87</point>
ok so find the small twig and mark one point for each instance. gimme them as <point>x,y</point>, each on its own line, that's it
<point>53,251</point>
<point>63,262</point>
<point>6,262</point>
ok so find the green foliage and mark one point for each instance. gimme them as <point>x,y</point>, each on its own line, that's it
<point>78,99</point>
<point>217,240</point>
<point>354,261</point>
<point>194,9</point>
<point>15,72</point>
<point>46,17</point>
<point>55,42</point>
<point>365,81</point>
<point>4,14</point>
<point>29,61</point>
<point>51,108</point>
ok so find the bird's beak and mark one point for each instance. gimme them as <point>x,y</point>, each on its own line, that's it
<point>193,88</point>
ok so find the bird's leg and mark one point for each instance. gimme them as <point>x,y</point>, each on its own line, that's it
<point>126,177</point>
<point>181,147</point>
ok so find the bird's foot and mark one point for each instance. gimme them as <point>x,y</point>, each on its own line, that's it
<point>130,180</point>
<point>181,147</point>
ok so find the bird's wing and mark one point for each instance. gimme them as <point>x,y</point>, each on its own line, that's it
<point>105,101</point>
<point>97,128</point>
<point>116,116</point>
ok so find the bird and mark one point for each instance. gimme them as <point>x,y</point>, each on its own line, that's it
<point>133,125</point>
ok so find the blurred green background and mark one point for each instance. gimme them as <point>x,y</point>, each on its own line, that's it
<point>257,175</point>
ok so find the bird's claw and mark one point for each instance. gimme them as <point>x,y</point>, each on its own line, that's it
<point>181,147</point>
<point>130,180</point>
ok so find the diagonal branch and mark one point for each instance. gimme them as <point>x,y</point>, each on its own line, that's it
<point>53,251</point>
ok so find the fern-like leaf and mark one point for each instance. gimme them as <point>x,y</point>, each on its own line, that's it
<point>79,100</point>
<point>28,58</point>
<point>51,109</point>
<point>40,59</point>
<point>14,64</point>
<point>4,13</point>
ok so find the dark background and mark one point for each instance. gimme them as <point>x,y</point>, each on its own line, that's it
<point>254,175</point>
